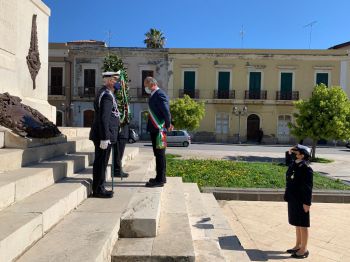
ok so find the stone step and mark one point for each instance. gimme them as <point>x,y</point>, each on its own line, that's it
<point>141,217</point>
<point>230,246</point>
<point>89,232</point>
<point>16,185</point>
<point>173,241</point>
<point>27,221</point>
<point>207,249</point>
<point>11,159</point>
<point>72,132</point>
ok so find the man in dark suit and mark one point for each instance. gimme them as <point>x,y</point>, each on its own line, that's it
<point>104,132</point>
<point>119,149</point>
<point>159,107</point>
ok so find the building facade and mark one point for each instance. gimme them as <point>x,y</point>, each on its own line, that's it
<point>82,77</point>
<point>247,90</point>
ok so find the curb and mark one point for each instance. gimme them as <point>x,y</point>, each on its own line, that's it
<point>276,195</point>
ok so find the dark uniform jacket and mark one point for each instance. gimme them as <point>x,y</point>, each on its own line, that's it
<point>106,119</point>
<point>159,104</point>
<point>299,183</point>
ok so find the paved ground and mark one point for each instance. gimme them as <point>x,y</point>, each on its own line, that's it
<point>263,230</point>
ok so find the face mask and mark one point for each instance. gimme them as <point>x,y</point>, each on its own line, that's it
<point>117,86</point>
<point>147,90</point>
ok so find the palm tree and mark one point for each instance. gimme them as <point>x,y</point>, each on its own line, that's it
<point>154,39</point>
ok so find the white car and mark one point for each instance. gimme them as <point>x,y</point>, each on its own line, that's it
<point>178,137</point>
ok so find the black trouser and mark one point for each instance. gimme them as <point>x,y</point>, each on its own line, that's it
<point>160,160</point>
<point>119,149</point>
<point>100,166</point>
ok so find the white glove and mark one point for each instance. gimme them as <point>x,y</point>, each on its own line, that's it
<point>104,144</point>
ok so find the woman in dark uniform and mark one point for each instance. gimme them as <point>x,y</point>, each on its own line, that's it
<point>298,194</point>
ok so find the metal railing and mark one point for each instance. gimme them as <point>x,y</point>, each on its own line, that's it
<point>57,90</point>
<point>86,91</point>
<point>290,95</point>
<point>257,95</point>
<point>190,93</point>
<point>224,94</point>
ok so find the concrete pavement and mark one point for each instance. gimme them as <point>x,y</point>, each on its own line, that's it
<point>264,232</point>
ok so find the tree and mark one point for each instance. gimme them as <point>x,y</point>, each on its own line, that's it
<point>186,113</point>
<point>112,63</point>
<point>326,115</point>
<point>154,39</point>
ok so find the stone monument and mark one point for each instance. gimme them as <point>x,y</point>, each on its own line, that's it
<point>24,53</point>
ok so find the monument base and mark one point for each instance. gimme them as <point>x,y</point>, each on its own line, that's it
<point>11,140</point>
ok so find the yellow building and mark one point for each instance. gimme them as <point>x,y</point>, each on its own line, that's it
<point>247,89</point>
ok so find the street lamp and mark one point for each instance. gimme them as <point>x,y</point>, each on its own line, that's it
<point>239,112</point>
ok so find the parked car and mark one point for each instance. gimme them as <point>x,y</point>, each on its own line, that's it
<point>178,137</point>
<point>347,144</point>
<point>133,136</point>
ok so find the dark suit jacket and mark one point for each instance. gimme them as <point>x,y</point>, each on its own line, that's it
<point>159,104</point>
<point>106,124</point>
<point>299,183</point>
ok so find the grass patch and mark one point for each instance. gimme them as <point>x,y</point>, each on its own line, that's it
<point>223,173</point>
<point>322,160</point>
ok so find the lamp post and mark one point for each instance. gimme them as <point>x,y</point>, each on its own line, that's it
<point>239,112</point>
<point>67,112</point>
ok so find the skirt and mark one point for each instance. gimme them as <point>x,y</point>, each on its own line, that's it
<point>296,214</point>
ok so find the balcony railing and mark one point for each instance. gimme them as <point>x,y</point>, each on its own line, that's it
<point>190,93</point>
<point>292,95</point>
<point>224,94</point>
<point>141,93</point>
<point>86,91</point>
<point>57,90</point>
<point>258,95</point>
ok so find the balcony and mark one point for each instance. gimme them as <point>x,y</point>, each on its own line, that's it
<point>57,90</point>
<point>292,95</point>
<point>255,95</point>
<point>141,93</point>
<point>191,93</point>
<point>224,94</point>
<point>86,91</point>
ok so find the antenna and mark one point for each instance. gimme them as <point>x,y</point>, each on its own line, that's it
<point>241,33</point>
<point>310,25</point>
<point>109,40</point>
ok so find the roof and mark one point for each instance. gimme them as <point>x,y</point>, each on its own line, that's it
<point>346,44</point>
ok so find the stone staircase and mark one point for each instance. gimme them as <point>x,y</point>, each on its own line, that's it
<point>46,213</point>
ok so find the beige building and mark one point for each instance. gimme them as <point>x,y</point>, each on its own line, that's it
<point>246,89</point>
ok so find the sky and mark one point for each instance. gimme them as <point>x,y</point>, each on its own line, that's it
<point>267,24</point>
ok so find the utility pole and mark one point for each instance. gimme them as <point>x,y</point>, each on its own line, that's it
<point>109,40</point>
<point>310,25</point>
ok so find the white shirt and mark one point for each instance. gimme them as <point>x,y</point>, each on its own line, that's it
<point>155,90</point>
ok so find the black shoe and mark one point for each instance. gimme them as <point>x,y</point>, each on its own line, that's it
<point>103,194</point>
<point>292,251</point>
<point>121,174</point>
<point>154,184</point>
<point>296,255</point>
<point>152,180</point>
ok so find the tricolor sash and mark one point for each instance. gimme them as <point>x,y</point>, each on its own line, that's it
<point>161,137</point>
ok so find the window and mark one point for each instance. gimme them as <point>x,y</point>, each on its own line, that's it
<point>190,83</point>
<point>89,81</point>
<point>56,81</point>
<point>286,86</point>
<point>222,123</point>
<point>145,73</point>
<point>322,78</point>
<point>223,85</point>
<point>254,85</point>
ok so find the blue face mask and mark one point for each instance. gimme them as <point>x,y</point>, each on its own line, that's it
<point>117,86</point>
